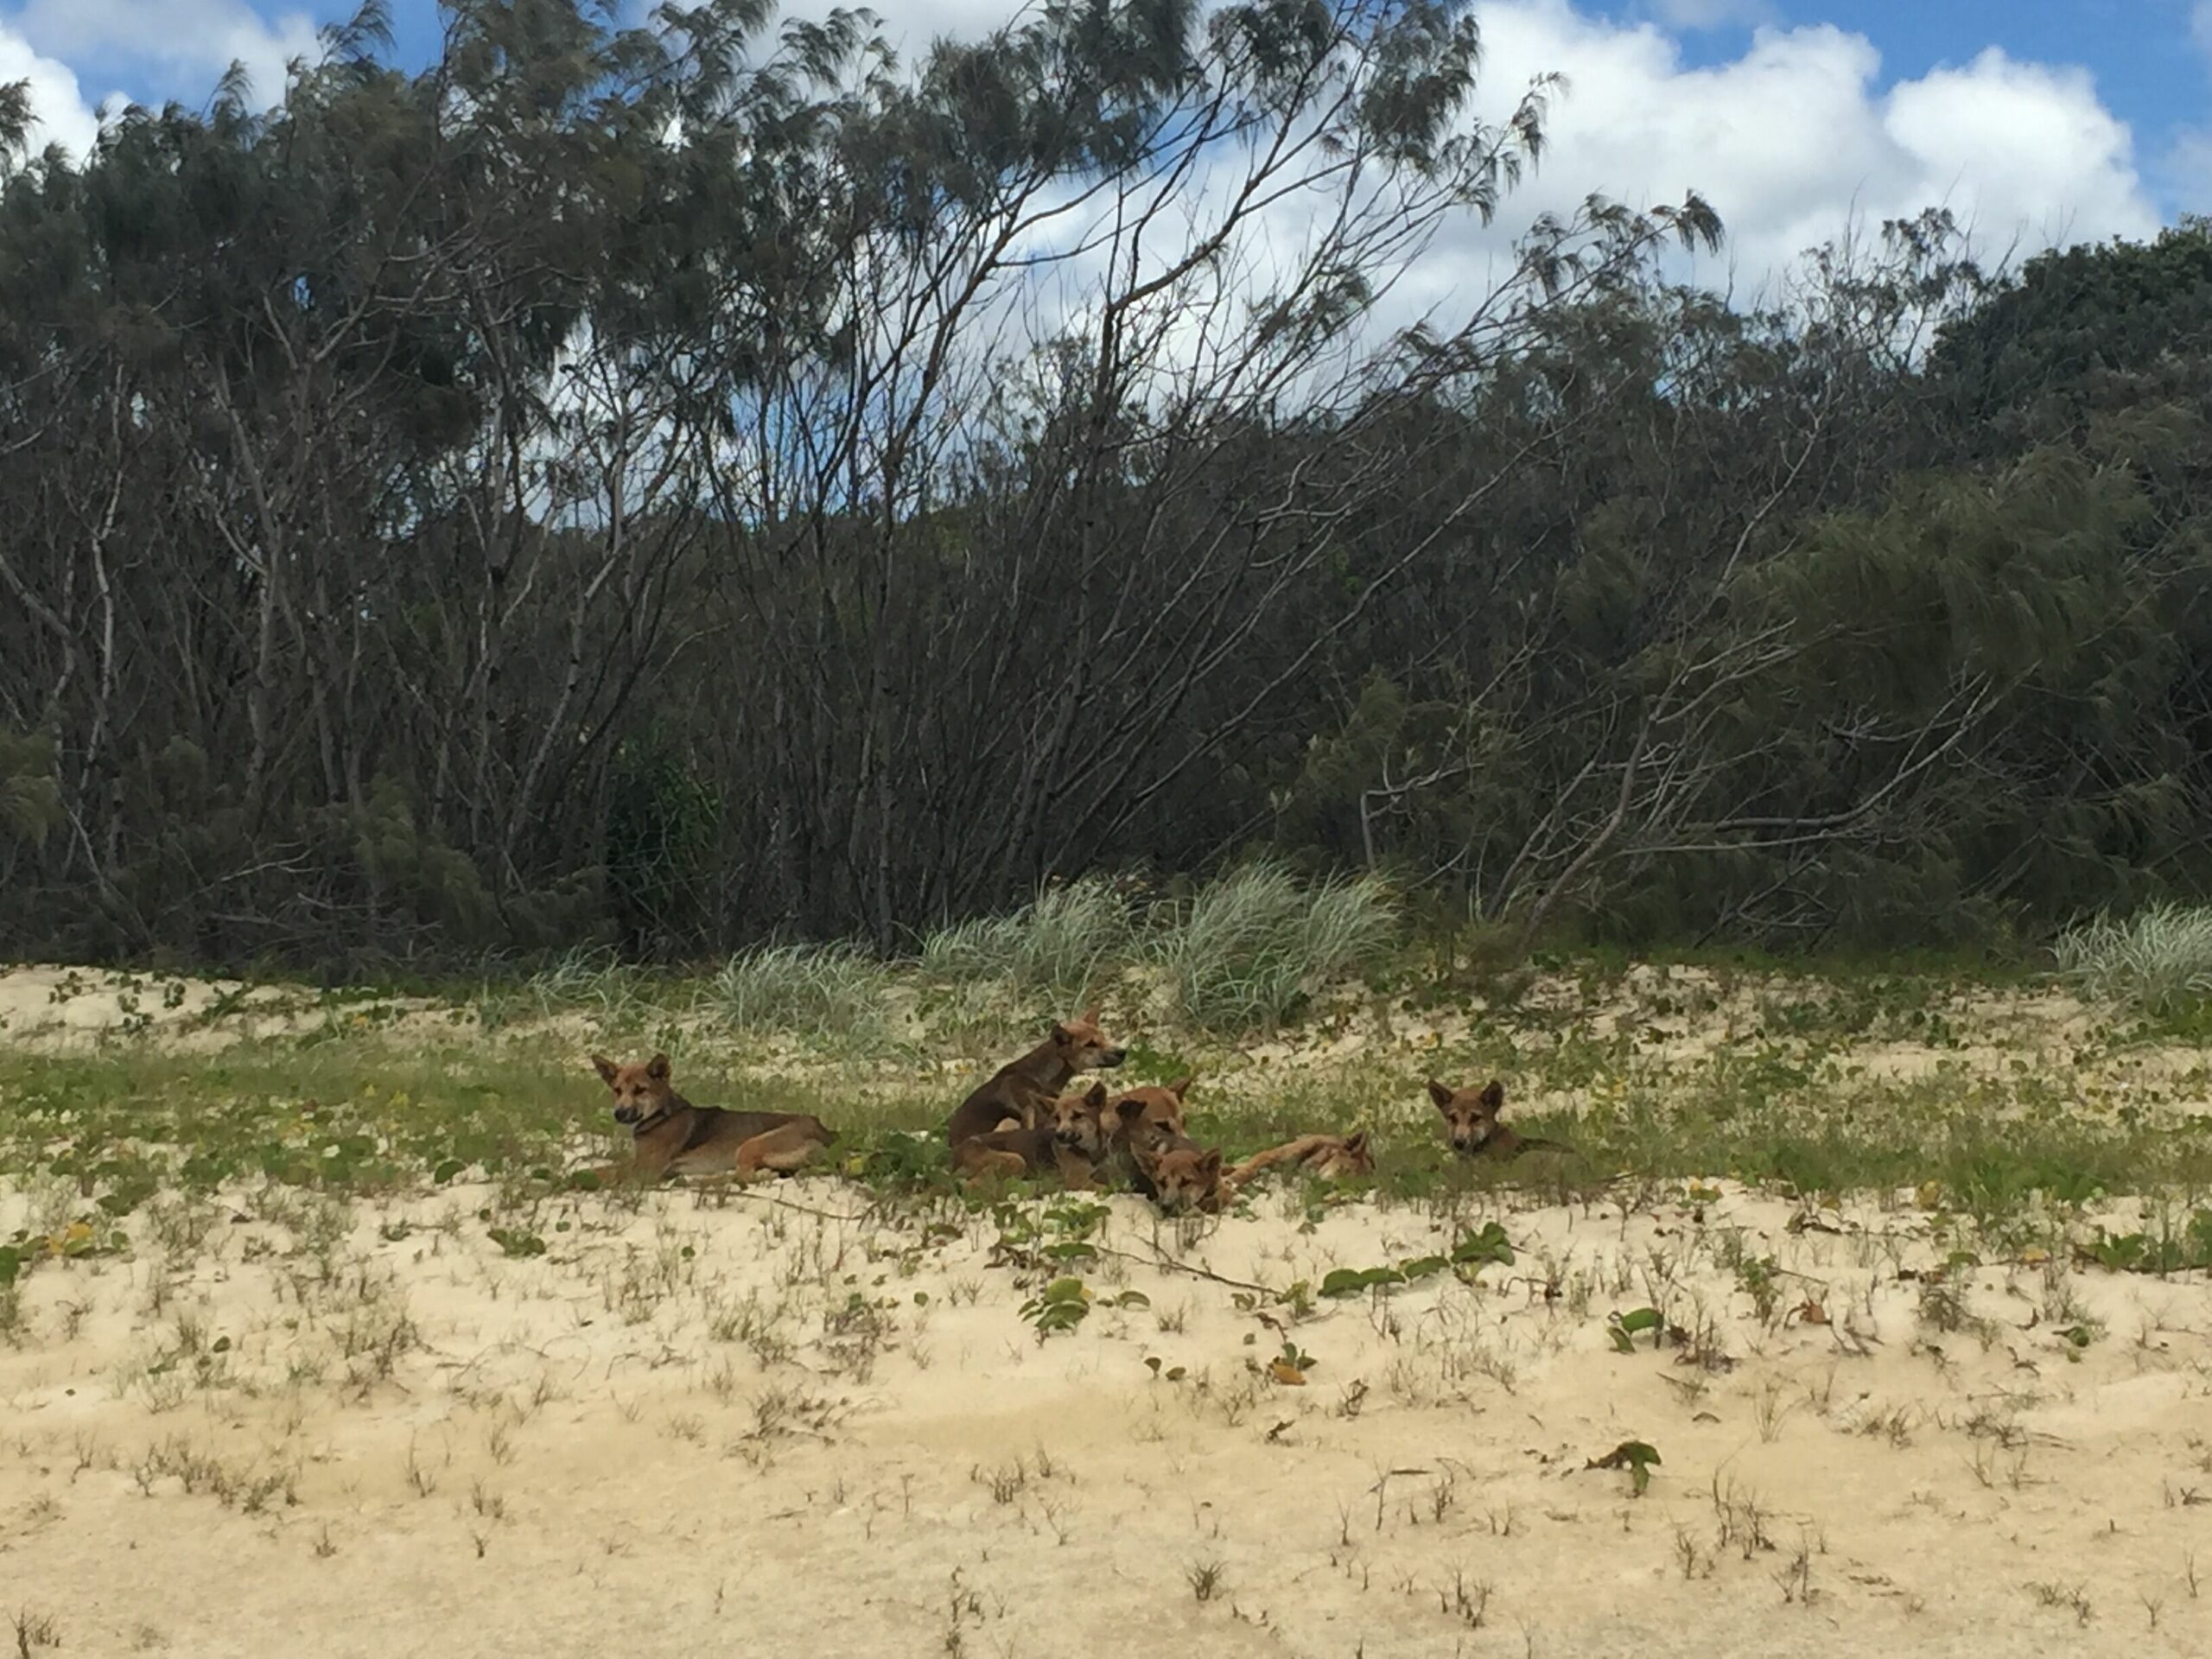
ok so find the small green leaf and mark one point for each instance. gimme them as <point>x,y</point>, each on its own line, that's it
<point>1637,1457</point>
<point>514,1241</point>
<point>1490,1244</point>
<point>1061,1305</point>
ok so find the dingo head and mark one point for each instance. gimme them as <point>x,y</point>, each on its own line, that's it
<point>1146,1116</point>
<point>1469,1115</point>
<point>1078,1122</point>
<point>1080,1045</point>
<point>1182,1177</point>
<point>640,1091</point>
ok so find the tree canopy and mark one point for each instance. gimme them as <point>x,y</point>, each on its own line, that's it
<point>678,484</point>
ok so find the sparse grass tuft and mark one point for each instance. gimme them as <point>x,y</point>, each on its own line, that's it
<point>33,1631</point>
<point>1204,1578</point>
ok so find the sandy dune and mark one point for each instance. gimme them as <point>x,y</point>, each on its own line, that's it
<point>790,1423</point>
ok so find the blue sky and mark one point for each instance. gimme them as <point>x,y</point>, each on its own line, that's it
<point>2039,121</point>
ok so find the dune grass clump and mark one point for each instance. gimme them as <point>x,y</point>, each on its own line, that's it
<point>591,980</point>
<point>2156,960</point>
<point>822,992</point>
<point>1255,944</point>
<point>1059,949</point>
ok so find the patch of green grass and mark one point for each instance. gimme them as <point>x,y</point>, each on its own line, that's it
<point>350,1117</point>
<point>1781,1100</point>
<point>128,1121</point>
<point>2187,1023</point>
<point>354,1117</point>
<point>2174,1240</point>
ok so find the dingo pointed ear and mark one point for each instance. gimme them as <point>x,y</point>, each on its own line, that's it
<point>605,1067</point>
<point>1210,1166</point>
<point>1091,1017</point>
<point>657,1068</point>
<point>1095,1096</point>
<point>1441,1094</point>
<point>1061,1034</point>
<point>1180,1087</point>
<point>1357,1144</point>
<point>1128,1107</point>
<point>1493,1095</point>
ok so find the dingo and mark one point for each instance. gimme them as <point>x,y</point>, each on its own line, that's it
<point>1020,1094</point>
<point>1157,1155</point>
<point>1178,1177</point>
<point>1328,1157</point>
<point>670,1136</point>
<point>1073,1139</point>
<point>1470,1120</point>
<point>1149,1114</point>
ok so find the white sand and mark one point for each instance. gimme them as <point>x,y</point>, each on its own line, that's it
<point>790,1423</point>
<point>604,1459</point>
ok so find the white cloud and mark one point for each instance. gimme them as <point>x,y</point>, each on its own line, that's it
<point>2032,146</point>
<point>186,44</point>
<point>1795,139</point>
<point>61,116</point>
